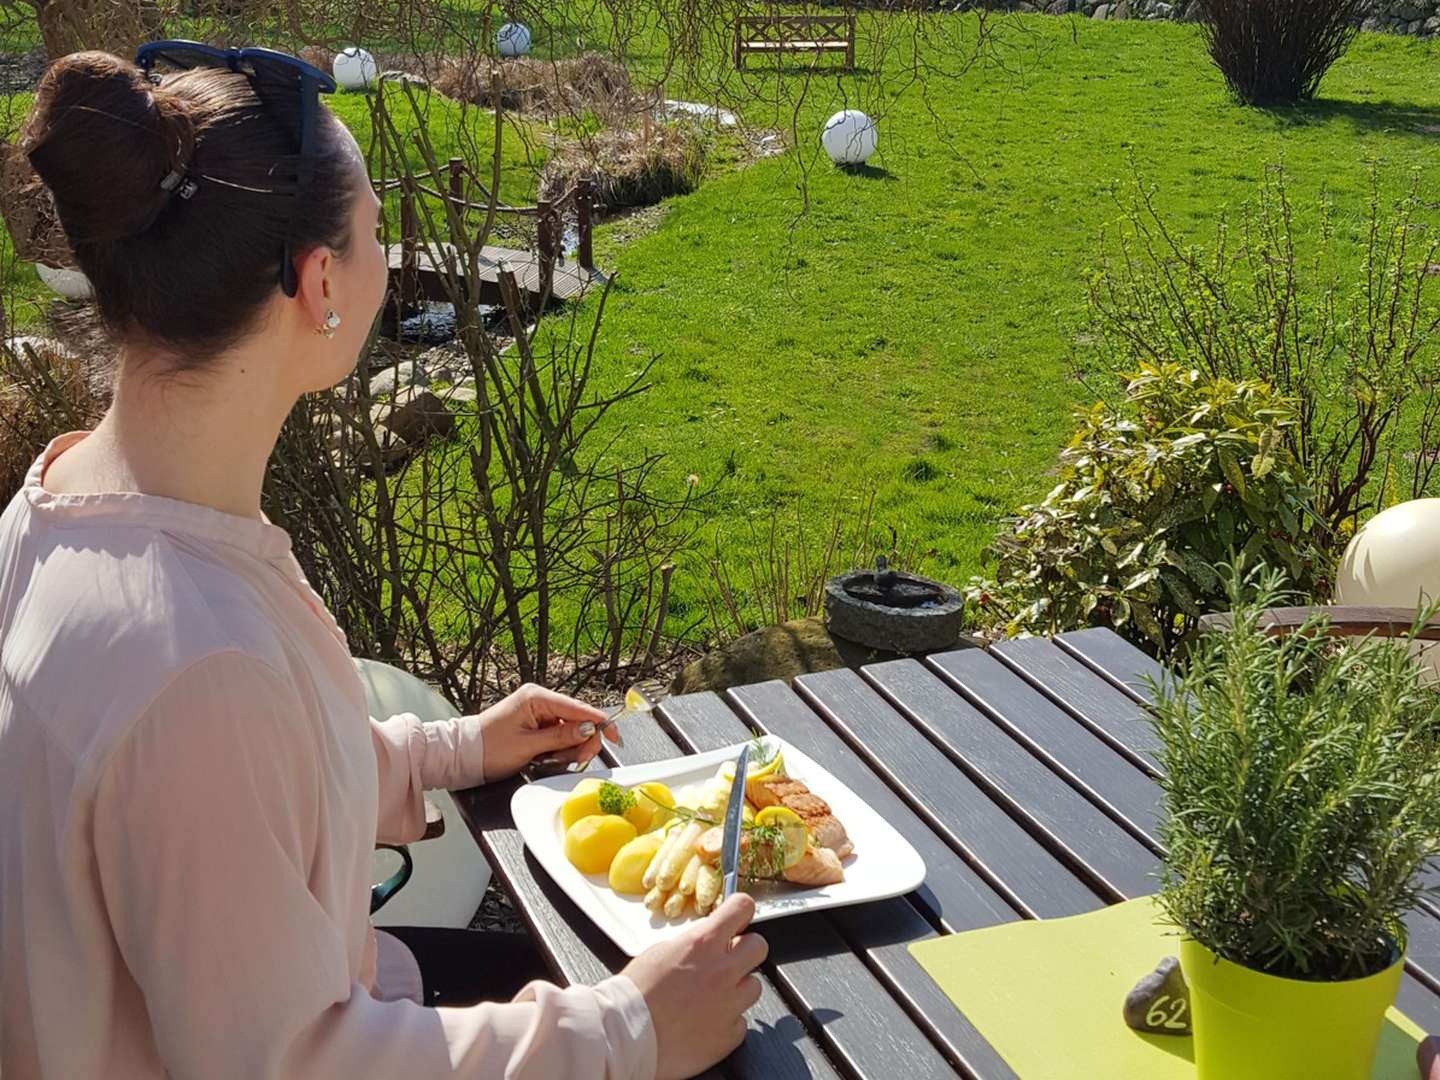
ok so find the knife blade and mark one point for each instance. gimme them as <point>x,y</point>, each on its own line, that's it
<point>730,841</point>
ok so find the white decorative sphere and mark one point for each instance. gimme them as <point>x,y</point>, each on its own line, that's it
<point>71,284</point>
<point>354,68</point>
<point>849,137</point>
<point>1394,561</point>
<point>513,39</point>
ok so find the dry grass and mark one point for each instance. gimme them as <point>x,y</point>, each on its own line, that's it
<point>629,167</point>
<point>585,84</point>
<point>45,391</point>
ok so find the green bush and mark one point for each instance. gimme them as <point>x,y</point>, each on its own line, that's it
<point>1186,473</point>
<point>1302,784</point>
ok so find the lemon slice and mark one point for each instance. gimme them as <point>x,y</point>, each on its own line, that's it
<point>796,836</point>
<point>635,701</point>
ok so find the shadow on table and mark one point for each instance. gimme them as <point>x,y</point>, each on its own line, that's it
<point>786,1034</point>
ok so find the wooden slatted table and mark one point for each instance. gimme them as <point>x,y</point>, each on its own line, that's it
<point>1025,777</point>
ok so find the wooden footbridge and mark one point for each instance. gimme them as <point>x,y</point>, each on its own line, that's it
<point>421,271</point>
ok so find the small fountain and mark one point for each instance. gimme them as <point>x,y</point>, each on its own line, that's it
<point>893,611</point>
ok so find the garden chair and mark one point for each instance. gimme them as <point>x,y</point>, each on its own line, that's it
<point>449,873</point>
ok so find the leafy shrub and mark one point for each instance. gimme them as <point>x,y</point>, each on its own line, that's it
<point>1154,493</point>
<point>1302,782</point>
<point>1275,52</point>
<point>1353,342</point>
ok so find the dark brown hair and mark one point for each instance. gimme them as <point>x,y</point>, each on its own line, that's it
<point>191,273</point>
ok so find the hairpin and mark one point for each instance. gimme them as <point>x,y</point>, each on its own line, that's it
<point>178,183</point>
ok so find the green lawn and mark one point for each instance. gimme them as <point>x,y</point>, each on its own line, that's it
<point>910,333</point>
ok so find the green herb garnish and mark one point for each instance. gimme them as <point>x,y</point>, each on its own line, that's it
<point>760,753</point>
<point>615,799</point>
<point>767,843</point>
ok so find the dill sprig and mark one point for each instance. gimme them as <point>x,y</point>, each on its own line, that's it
<point>614,799</point>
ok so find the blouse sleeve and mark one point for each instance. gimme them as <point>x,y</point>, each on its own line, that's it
<point>204,824</point>
<point>414,757</point>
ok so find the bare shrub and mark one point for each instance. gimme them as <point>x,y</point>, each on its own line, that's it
<point>631,167</point>
<point>45,391</point>
<point>1275,52</point>
<point>588,83</point>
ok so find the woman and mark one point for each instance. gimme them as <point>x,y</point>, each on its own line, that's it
<point>189,792</point>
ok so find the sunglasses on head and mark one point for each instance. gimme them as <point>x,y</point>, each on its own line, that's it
<point>269,71</point>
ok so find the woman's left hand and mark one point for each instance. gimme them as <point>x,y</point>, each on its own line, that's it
<point>534,721</point>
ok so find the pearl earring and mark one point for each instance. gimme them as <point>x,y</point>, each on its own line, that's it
<point>332,323</point>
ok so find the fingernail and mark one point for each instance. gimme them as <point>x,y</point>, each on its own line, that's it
<point>587,729</point>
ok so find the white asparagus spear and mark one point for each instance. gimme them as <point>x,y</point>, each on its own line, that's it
<point>692,871</point>
<point>675,905</point>
<point>676,858</point>
<point>653,870</point>
<point>654,899</point>
<point>707,888</point>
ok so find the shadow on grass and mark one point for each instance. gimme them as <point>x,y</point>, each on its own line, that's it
<point>1392,116</point>
<point>869,172</point>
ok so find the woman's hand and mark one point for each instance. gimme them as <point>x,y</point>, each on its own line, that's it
<point>534,721</point>
<point>698,986</point>
<point>1428,1057</point>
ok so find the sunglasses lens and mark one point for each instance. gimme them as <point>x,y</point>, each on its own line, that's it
<point>181,59</point>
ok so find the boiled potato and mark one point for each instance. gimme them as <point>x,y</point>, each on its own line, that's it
<point>627,870</point>
<point>645,814</point>
<point>582,802</point>
<point>592,843</point>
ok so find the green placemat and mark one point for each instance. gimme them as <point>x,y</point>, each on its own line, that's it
<point>1047,995</point>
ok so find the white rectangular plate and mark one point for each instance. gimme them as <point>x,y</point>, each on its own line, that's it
<point>884,863</point>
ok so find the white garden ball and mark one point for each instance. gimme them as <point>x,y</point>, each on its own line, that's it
<point>513,39</point>
<point>849,137</point>
<point>71,284</point>
<point>1394,561</point>
<point>354,68</point>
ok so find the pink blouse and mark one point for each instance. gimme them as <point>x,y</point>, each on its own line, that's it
<point>189,797</point>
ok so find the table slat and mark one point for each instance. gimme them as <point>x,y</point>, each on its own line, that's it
<point>1015,863</point>
<point>877,931</point>
<point>1088,762</point>
<point>1113,715</point>
<point>1065,819</point>
<point>1111,656</point>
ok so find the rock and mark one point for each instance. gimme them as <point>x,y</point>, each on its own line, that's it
<point>405,374</point>
<point>798,647</point>
<point>459,394</point>
<point>447,363</point>
<point>1164,11</point>
<point>1058,7</point>
<point>1026,8</point>
<point>1160,1002</point>
<point>1409,13</point>
<point>1121,10</point>
<point>1102,12</point>
<point>414,416</point>
<point>1193,12</point>
<point>1432,25</point>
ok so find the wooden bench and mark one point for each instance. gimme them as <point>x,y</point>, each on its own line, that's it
<point>774,35</point>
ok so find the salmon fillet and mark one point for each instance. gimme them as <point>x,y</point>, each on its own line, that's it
<point>824,827</point>
<point>818,866</point>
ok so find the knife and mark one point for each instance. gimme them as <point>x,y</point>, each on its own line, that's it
<point>730,842</point>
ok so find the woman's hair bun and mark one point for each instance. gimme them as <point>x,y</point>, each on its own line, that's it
<point>103,138</point>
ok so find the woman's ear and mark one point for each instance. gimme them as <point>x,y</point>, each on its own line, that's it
<point>312,273</point>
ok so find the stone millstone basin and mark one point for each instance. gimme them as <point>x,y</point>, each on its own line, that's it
<point>894,611</point>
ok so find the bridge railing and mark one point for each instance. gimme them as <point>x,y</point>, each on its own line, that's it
<point>548,215</point>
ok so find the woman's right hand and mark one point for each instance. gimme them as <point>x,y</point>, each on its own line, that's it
<point>698,986</point>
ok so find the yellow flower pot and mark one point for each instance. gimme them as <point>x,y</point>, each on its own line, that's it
<point>1252,1026</point>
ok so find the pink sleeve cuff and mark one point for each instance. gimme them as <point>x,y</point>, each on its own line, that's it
<point>454,754</point>
<point>629,1034</point>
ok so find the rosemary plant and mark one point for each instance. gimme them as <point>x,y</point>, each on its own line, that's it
<point>1302,782</point>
